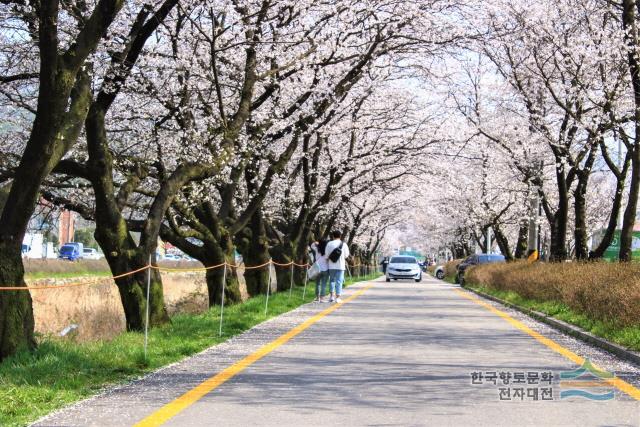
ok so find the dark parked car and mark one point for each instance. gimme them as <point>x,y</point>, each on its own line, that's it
<point>476,260</point>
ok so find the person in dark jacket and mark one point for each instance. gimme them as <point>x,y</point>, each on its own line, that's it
<point>384,263</point>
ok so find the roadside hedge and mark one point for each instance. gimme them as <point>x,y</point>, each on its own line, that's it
<point>450,268</point>
<point>609,292</point>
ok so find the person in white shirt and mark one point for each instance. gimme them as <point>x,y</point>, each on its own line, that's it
<point>320,258</point>
<point>337,264</point>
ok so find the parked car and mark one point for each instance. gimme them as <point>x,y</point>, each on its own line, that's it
<point>403,267</point>
<point>72,251</point>
<point>91,253</point>
<point>439,272</point>
<point>476,260</point>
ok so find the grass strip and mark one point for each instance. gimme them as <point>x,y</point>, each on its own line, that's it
<point>60,372</point>
<point>39,275</point>
<point>628,337</point>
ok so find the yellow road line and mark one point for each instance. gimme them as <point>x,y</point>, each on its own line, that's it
<point>171,409</point>
<point>615,381</point>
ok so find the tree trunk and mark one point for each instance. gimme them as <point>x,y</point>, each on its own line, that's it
<point>45,148</point>
<point>283,254</point>
<point>503,242</point>
<point>133,292</point>
<point>629,219</point>
<point>607,238</point>
<point>580,232</point>
<point>216,253</point>
<point>580,206</point>
<point>16,313</point>
<point>480,240</point>
<point>631,39</point>
<point>214,286</point>
<point>123,257</point>
<point>302,255</point>
<point>521,245</point>
<point>558,247</point>
<point>254,247</point>
<point>112,233</point>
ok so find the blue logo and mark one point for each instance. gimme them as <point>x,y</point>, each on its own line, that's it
<point>574,383</point>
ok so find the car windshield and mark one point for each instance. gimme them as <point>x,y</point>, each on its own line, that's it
<point>403,260</point>
<point>66,249</point>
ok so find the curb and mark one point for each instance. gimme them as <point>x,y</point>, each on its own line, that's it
<point>568,329</point>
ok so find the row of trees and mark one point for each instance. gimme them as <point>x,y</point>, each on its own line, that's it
<point>547,107</point>
<point>254,125</point>
<point>258,125</point>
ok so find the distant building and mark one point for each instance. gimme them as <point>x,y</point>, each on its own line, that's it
<point>66,227</point>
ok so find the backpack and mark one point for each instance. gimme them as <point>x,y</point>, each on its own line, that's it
<point>335,254</point>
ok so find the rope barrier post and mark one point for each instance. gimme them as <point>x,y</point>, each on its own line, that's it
<point>224,282</point>
<point>146,322</point>
<point>266,303</point>
<point>291,280</point>
<point>306,279</point>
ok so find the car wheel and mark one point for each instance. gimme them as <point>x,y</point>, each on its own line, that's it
<point>388,280</point>
<point>418,280</point>
<point>440,274</point>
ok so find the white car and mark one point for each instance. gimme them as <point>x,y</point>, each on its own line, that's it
<point>403,267</point>
<point>91,253</point>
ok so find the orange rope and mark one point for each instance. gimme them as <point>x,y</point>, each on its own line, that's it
<point>256,266</point>
<point>301,265</point>
<point>212,267</point>
<point>282,265</point>
<point>73,284</point>
<point>155,267</point>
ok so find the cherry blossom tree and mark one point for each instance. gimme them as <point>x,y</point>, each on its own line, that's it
<point>46,76</point>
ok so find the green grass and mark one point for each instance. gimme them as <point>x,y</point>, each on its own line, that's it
<point>36,275</point>
<point>61,372</point>
<point>626,336</point>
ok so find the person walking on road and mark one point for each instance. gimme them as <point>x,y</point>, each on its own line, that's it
<point>320,258</point>
<point>337,253</point>
<point>385,263</point>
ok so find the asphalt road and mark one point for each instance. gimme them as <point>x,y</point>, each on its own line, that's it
<point>400,354</point>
